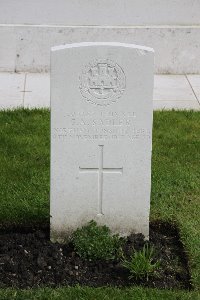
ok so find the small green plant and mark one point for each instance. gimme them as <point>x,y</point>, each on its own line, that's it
<point>141,264</point>
<point>96,242</point>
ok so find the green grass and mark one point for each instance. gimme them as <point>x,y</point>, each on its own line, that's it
<point>24,191</point>
<point>24,161</point>
<point>85,293</point>
<point>176,178</point>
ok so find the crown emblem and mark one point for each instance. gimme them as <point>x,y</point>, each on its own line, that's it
<point>102,82</point>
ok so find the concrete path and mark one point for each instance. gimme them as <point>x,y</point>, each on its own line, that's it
<point>33,90</point>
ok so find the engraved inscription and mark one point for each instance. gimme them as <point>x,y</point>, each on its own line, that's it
<point>102,82</point>
<point>101,170</point>
<point>100,126</point>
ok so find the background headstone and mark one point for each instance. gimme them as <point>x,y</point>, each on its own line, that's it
<point>101,137</point>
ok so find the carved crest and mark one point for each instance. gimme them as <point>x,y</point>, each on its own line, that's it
<point>102,82</point>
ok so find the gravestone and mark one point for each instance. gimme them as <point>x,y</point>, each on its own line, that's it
<point>101,137</point>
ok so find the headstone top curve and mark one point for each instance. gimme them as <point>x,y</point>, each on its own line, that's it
<point>98,44</point>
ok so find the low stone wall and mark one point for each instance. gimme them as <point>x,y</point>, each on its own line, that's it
<point>29,28</point>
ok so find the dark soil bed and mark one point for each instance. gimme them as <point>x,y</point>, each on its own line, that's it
<point>29,259</point>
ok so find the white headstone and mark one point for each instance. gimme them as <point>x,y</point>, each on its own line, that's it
<point>101,137</point>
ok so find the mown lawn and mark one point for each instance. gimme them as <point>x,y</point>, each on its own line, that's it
<point>24,191</point>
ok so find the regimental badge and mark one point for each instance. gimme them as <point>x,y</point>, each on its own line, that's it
<point>102,82</point>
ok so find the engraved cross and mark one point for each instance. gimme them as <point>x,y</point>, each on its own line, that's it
<point>100,171</point>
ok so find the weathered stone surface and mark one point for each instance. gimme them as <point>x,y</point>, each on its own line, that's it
<point>101,136</point>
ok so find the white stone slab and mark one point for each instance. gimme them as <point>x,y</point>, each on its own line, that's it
<point>194,80</point>
<point>11,90</point>
<point>177,105</point>
<point>195,84</point>
<point>101,136</point>
<point>172,88</point>
<point>37,90</point>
